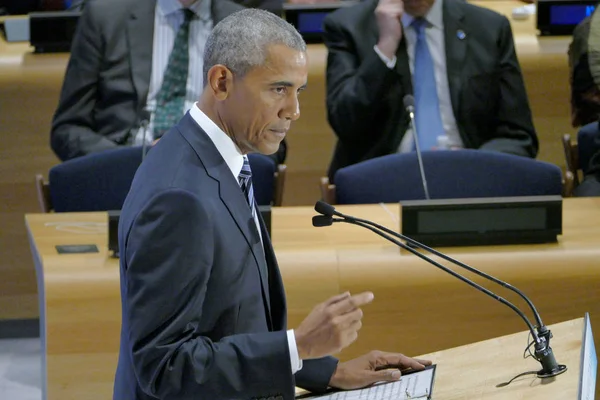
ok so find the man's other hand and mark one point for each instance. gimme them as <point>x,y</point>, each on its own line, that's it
<point>376,366</point>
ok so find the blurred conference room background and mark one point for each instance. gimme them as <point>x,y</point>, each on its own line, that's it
<point>29,90</point>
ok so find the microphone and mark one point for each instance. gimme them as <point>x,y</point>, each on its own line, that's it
<point>543,352</point>
<point>409,105</point>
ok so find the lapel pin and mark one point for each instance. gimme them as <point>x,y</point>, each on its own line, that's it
<point>461,34</point>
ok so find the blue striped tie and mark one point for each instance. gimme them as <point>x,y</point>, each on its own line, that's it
<point>245,180</point>
<point>427,107</point>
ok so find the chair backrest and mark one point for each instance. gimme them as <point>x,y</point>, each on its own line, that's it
<point>571,159</point>
<point>96,182</point>
<point>268,179</point>
<point>42,189</point>
<point>449,174</point>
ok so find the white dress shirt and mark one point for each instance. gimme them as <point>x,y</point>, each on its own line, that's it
<point>434,33</point>
<point>235,160</point>
<point>168,17</point>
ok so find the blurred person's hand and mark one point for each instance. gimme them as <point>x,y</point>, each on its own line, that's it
<point>388,15</point>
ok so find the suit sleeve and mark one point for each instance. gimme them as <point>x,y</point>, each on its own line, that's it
<point>315,375</point>
<point>73,132</point>
<point>515,133</point>
<point>169,258</point>
<point>356,88</point>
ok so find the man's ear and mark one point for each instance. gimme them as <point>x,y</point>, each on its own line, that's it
<point>220,80</point>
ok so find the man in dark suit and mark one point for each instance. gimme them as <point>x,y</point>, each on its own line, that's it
<point>120,57</point>
<point>456,58</point>
<point>203,306</point>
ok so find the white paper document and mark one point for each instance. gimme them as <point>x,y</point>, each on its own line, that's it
<point>414,386</point>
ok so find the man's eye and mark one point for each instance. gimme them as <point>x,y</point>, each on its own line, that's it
<point>280,90</point>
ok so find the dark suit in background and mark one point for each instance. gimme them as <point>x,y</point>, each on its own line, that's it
<point>585,94</point>
<point>108,76</point>
<point>364,96</point>
<point>190,280</point>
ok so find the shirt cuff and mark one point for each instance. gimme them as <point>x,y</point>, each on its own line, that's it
<point>389,63</point>
<point>295,360</point>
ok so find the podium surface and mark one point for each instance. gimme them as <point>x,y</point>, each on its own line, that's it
<point>473,371</point>
<point>417,308</point>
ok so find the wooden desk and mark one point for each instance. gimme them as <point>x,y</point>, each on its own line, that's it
<point>417,308</point>
<point>473,371</point>
<point>29,91</point>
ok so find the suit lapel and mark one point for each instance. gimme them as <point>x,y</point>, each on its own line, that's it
<point>456,37</point>
<point>140,36</point>
<point>231,195</point>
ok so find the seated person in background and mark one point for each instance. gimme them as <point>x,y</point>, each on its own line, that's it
<point>584,63</point>
<point>457,59</point>
<point>584,75</point>
<point>133,61</point>
<point>591,182</point>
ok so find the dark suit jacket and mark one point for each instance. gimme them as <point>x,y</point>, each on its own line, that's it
<point>108,76</point>
<point>364,97</point>
<point>200,320</point>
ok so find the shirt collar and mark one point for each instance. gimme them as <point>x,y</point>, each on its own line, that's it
<point>225,146</point>
<point>200,7</point>
<point>434,17</point>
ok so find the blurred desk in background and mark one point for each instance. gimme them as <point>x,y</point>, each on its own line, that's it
<point>417,309</point>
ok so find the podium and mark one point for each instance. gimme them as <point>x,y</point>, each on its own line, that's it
<point>480,370</point>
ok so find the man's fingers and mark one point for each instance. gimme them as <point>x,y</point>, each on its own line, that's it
<point>351,303</point>
<point>337,299</point>
<point>423,362</point>
<point>400,361</point>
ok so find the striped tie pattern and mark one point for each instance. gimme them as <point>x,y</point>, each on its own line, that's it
<point>170,99</point>
<point>245,180</point>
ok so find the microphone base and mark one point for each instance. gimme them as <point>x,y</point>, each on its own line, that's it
<point>549,374</point>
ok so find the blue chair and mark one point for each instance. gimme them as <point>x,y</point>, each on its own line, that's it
<point>579,154</point>
<point>101,181</point>
<point>268,179</point>
<point>96,182</point>
<point>450,175</point>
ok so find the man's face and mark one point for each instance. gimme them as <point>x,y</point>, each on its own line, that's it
<point>418,8</point>
<point>261,105</point>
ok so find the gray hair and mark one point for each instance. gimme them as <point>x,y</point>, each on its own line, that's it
<point>240,40</point>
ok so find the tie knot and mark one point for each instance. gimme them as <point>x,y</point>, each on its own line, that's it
<point>246,172</point>
<point>419,24</point>
<point>188,15</point>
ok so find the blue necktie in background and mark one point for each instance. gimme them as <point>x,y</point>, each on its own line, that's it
<point>427,107</point>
